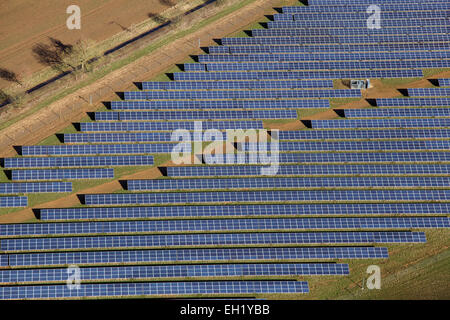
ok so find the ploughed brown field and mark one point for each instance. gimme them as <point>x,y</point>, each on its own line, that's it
<point>24,23</point>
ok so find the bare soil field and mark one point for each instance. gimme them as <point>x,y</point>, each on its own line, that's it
<point>24,23</point>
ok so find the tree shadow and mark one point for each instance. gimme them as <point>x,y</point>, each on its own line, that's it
<point>9,75</point>
<point>157,18</point>
<point>52,55</point>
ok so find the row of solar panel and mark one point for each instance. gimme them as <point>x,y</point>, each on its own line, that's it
<point>95,149</point>
<point>355,15</point>
<point>35,187</point>
<point>416,38</point>
<point>332,48</point>
<point>296,32</point>
<point>177,255</point>
<point>266,196</point>
<point>210,239</point>
<point>260,66</point>
<point>58,174</point>
<point>283,135</point>
<point>313,3</point>
<point>218,104</point>
<point>429,92</point>
<point>58,162</point>
<point>444,82</point>
<point>364,134</point>
<point>234,94</point>
<point>343,74</point>
<point>167,126</point>
<point>102,213</point>
<point>153,289</point>
<point>171,85</point>
<point>174,271</point>
<point>361,23</point>
<point>286,183</point>
<point>407,112</point>
<point>381,123</point>
<point>117,227</point>
<point>322,170</point>
<point>13,202</point>
<point>203,115</point>
<point>419,55</point>
<point>413,102</point>
<point>385,7</point>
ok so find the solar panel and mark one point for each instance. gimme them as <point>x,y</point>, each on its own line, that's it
<point>397,112</point>
<point>429,92</point>
<point>372,157</point>
<point>444,82</point>
<point>296,32</point>
<point>284,183</point>
<point>12,202</point>
<point>354,15</point>
<point>209,239</point>
<point>413,102</point>
<point>153,289</point>
<point>266,196</point>
<point>176,255</point>
<point>199,115</point>
<point>253,94</point>
<point>214,76</point>
<point>292,57</point>
<point>381,123</point>
<point>218,104</point>
<point>95,149</point>
<point>286,66</point>
<point>313,7</point>
<point>104,213</point>
<point>167,126</point>
<point>340,23</point>
<point>228,85</point>
<point>361,2</point>
<point>308,170</point>
<point>174,271</point>
<point>267,224</point>
<point>35,187</point>
<point>111,137</point>
<point>363,134</point>
<point>54,162</point>
<point>58,174</point>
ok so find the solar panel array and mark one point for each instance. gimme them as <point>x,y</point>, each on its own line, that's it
<point>379,176</point>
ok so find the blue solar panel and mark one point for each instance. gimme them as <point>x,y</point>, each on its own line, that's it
<point>266,196</point>
<point>228,85</point>
<point>364,134</point>
<point>331,48</point>
<point>286,66</point>
<point>413,102</point>
<point>337,39</point>
<point>213,76</point>
<point>203,115</point>
<point>35,187</point>
<point>308,170</point>
<point>370,157</point>
<point>381,123</point>
<point>167,126</point>
<point>343,23</point>
<point>284,183</point>
<point>58,174</point>
<point>312,7</point>
<point>291,57</point>
<point>242,210</point>
<point>12,202</point>
<point>296,32</point>
<point>209,239</point>
<point>174,271</point>
<point>366,2</point>
<point>100,149</point>
<point>218,104</point>
<point>444,82</point>
<point>362,15</point>
<point>118,227</point>
<point>53,162</point>
<point>176,255</point>
<point>397,112</point>
<point>116,137</point>
<point>429,92</point>
<point>153,289</point>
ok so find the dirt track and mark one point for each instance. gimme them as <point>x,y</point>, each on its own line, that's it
<point>24,23</point>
